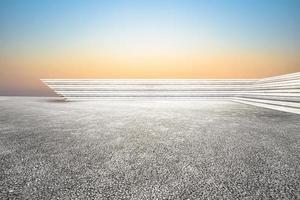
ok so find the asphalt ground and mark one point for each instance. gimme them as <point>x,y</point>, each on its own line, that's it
<point>50,149</point>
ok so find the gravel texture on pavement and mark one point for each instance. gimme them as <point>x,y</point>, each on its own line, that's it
<point>50,149</point>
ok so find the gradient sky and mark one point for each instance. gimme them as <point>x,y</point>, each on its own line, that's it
<point>145,39</point>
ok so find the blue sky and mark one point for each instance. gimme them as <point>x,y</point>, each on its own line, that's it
<point>252,23</point>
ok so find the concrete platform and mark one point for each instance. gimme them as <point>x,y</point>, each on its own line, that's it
<point>52,149</point>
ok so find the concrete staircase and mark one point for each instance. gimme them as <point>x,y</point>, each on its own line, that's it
<point>133,89</point>
<point>279,92</point>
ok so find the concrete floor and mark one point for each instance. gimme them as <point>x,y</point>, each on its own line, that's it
<point>147,150</point>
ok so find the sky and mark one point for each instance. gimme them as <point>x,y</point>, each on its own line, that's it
<point>145,39</point>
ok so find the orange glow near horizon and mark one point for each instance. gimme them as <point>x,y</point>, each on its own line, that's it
<point>75,66</point>
<point>230,65</point>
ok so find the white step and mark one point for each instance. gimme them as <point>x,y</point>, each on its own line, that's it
<point>274,107</point>
<point>273,102</point>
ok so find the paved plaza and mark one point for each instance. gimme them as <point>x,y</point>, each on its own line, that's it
<point>204,149</point>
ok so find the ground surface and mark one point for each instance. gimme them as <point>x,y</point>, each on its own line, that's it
<point>147,150</point>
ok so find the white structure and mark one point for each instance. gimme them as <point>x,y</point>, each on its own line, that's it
<point>280,92</point>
